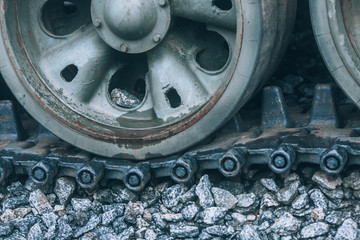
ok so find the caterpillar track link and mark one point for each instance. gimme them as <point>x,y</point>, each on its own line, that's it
<point>277,136</point>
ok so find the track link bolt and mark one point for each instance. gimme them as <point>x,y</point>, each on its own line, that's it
<point>43,172</point>
<point>334,160</point>
<point>90,174</point>
<point>137,177</point>
<point>39,174</point>
<point>181,172</point>
<point>184,169</point>
<point>134,180</point>
<point>281,160</point>
<point>86,177</point>
<point>231,163</point>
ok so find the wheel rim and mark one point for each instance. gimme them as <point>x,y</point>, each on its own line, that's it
<point>337,31</point>
<point>61,74</point>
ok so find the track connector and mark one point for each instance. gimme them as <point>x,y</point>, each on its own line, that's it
<point>282,159</point>
<point>232,162</point>
<point>137,177</point>
<point>89,175</point>
<point>184,169</point>
<point>334,160</point>
<point>43,172</point>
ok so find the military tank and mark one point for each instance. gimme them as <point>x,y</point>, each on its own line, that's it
<point>137,84</point>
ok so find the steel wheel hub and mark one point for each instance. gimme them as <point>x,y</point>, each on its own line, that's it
<point>131,26</point>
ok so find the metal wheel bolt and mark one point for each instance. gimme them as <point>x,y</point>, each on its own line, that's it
<point>97,23</point>
<point>279,162</point>
<point>86,177</point>
<point>332,163</point>
<point>157,38</point>
<point>162,3</point>
<point>181,172</point>
<point>124,48</point>
<point>134,180</point>
<point>39,174</point>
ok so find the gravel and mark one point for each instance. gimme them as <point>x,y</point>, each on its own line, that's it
<point>165,211</point>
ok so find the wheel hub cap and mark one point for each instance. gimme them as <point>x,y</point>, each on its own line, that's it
<point>131,26</point>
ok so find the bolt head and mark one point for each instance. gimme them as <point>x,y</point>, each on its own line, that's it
<point>39,174</point>
<point>97,23</point>
<point>134,180</point>
<point>157,38</point>
<point>86,177</point>
<point>229,164</point>
<point>124,48</point>
<point>181,172</point>
<point>332,163</point>
<point>279,161</point>
<point>162,3</point>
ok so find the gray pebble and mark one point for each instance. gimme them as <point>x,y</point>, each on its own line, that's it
<point>286,224</point>
<point>171,196</point>
<point>39,201</point>
<point>246,200</point>
<point>300,202</point>
<point>49,219</point>
<point>90,225</point>
<point>249,233</point>
<point>220,230</point>
<point>190,211</point>
<point>5,229</point>
<point>81,204</point>
<point>184,231</point>
<point>223,198</point>
<point>15,202</point>
<point>35,233</point>
<point>347,231</point>
<point>235,188</point>
<point>287,194</point>
<point>109,217</point>
<point>172,217</point>
<point>334,218</point>
<point>150,196</point>
<point>64,188</point>
<point>150,235</point>
<point>327,181</point>
<point>270,184</point>
<point>133,211</point>
<point>213,214</point>
<point>314,230</point>
<point>353,180</point>
<point>104,196</point>
<point>123,195</point>
<point>203,192</point>
<point>318,199</point>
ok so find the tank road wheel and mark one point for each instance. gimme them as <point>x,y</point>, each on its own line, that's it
<point>336,27</point>
<point>135,79</point>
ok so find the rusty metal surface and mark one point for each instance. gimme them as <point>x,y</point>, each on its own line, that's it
<point>45,157</point>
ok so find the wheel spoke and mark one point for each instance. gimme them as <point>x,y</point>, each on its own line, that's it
<point>206,12</point>
<point>174,88</point>
<point>78,64</point>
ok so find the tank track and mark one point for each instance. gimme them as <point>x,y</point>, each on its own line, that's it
<point>282,138</point>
